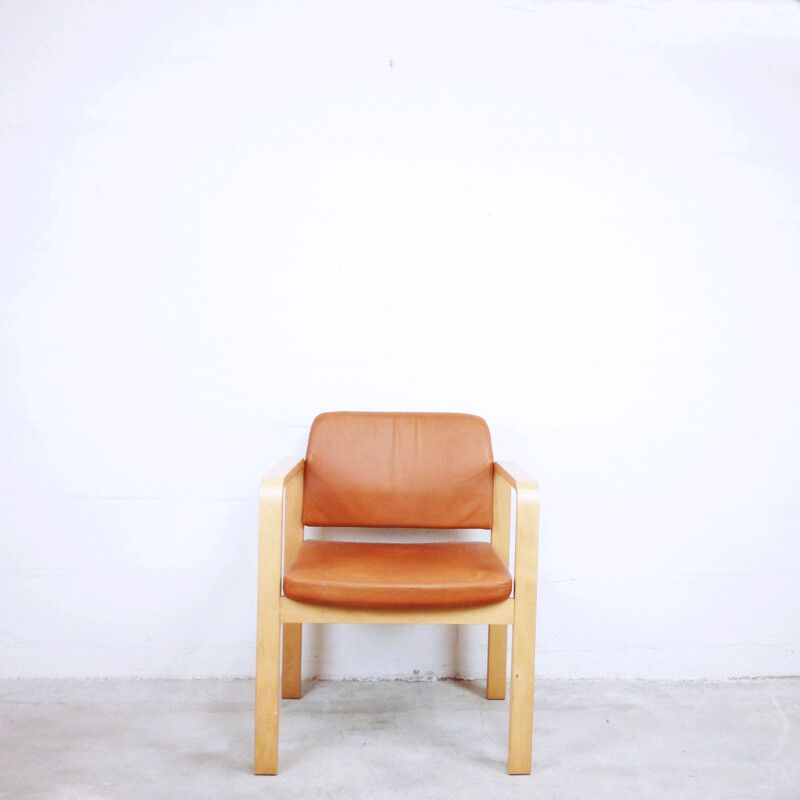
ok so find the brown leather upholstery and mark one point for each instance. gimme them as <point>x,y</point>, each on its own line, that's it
<point>397,575</point>
<point>398,470</point>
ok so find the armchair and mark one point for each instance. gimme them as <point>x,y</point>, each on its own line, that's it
<point>398,470</point>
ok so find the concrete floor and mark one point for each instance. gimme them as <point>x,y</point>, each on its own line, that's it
<point>89,740</point>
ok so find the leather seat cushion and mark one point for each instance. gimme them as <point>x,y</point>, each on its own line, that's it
<point>398,470</point>
<point>378,575</point>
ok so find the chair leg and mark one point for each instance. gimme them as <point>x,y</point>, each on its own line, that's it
<point>267,691</point>
<point>520,728</point>
<point>496,666</point>
<point>292,652</point>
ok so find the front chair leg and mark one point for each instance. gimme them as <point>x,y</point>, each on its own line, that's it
<point>268,630</point>
<point>520,729</point>
<point>292,652</point>
<point>267,692</point>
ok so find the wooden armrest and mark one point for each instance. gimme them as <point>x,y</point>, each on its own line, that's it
<point>515,476</point>
<point>288,475</point>
<point>526,535</point>
<point>279,476</point>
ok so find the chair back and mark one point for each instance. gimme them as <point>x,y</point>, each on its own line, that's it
<point>398,470</point>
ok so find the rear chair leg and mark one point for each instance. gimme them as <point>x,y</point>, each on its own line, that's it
<point>496,668</point>
<point>292,651</point>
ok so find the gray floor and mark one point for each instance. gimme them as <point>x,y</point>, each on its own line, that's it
<point>592,739</point>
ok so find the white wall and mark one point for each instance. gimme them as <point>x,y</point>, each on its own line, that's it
<point>580,220</point>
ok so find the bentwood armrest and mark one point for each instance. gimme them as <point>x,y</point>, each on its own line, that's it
<point>526,539</point>
<point>517,477</point>
<point>270,548</point>
<point>279,476</point>
<point>271,506</point>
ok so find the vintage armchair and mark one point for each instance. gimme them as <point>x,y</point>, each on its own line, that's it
<point>398,470</point>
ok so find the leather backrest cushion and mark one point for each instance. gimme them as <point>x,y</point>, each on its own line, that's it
<point>399,470</point>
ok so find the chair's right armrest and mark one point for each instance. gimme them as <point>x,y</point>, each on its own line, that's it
<point>275,480</point>
<point>288,475</point>
<point>270,513</point>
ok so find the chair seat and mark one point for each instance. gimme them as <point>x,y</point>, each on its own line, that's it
<point>381,575</point>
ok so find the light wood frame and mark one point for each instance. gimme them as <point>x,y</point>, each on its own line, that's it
<point>280,536</point>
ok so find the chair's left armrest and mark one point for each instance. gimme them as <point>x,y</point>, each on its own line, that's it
<point>516,477</point>
<point>526,535</point>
